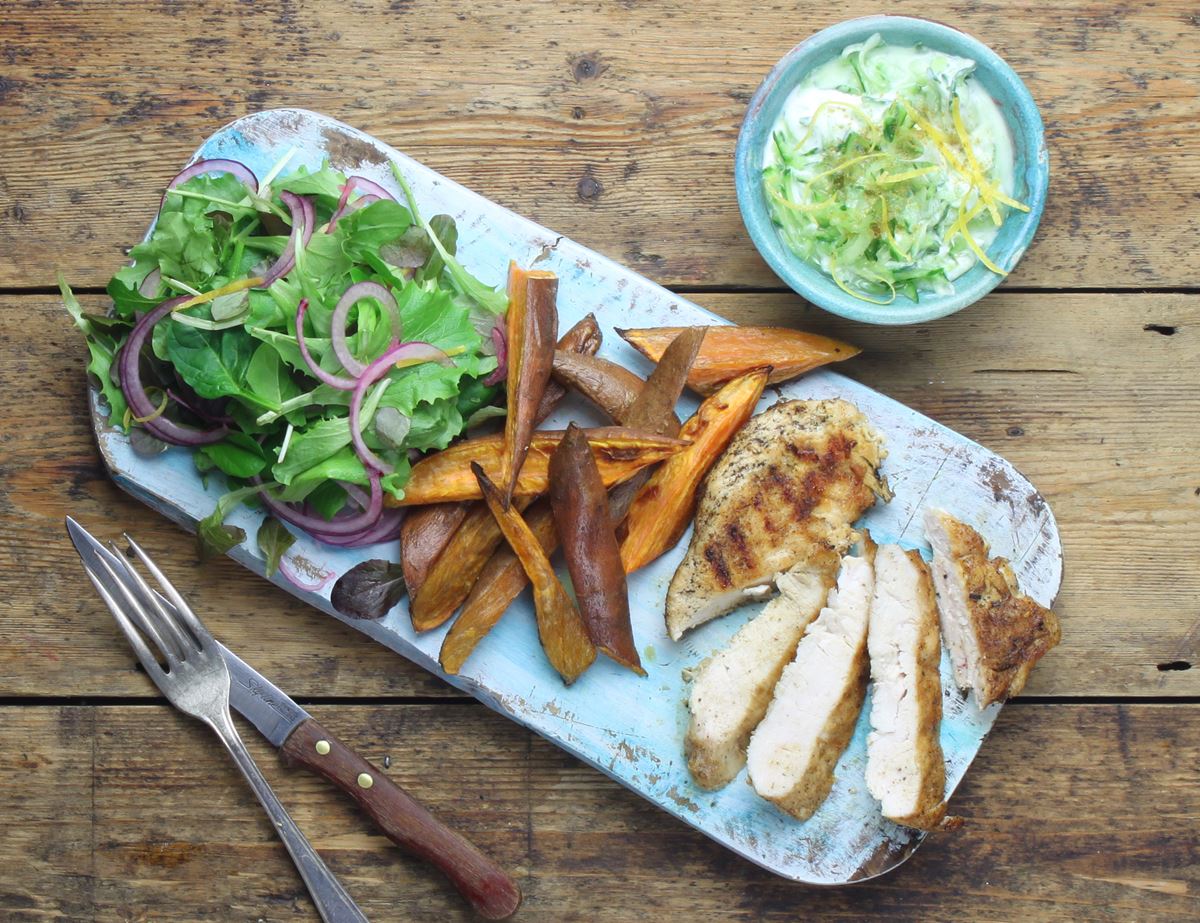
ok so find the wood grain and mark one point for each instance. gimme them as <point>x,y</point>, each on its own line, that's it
<point>611,123</point>
<point>1096,409</point>
<point>1072,813</point>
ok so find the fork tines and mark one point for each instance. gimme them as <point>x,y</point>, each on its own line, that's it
<point>141,611</point>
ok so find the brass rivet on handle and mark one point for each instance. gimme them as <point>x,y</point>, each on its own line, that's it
<point>322,747</point>
<point>365,780</point>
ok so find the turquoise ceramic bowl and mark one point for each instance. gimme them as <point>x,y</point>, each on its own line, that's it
<point>1032,167</point>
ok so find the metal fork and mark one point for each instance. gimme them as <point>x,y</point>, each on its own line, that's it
<point>196,681</point>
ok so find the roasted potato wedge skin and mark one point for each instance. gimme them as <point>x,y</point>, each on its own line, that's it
<point>583,339</point>
<point>500,582</point>
<point>662,509</point>
<point>580,505</point>
<point>454,572</point>
<point>654,409</point>
<point>423,534</point>
<point>560,627</point>
<point>611,387</point>
<point>729,352</point>
<point>532,330</point>
<point>446,477</point>
<point>447,578</point>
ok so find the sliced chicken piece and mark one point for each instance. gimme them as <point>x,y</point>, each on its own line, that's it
<point>810,720</point>
<point>731,689</point>
<point>994,634</point>
<point>905,770</point>
<point>787,490</point>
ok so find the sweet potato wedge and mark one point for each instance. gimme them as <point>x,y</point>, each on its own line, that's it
<point>611,387</point>
<point>454,572</point>
<point>560,628</point>
<point>583,340</point>
<point>500,582</point>
<point>729,352</point>
<point>445,581</point>
<point>423,534</point>
<point>654,409</point>
<point>502,578</point>
<point>532,329</point>
<point>662,509</point>
<point>580,505</point>
<point>445,476</point>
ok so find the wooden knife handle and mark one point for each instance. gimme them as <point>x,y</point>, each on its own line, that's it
<point>406,822</point>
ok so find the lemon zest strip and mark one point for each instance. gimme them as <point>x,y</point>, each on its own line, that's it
<point>889,178</point>
<point>238,286</point>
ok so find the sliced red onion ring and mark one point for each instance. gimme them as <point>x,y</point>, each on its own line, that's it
<point>356,493</point>
<point>500,339</point>
<point>334,381</point>
<point>302,215</point>
<point>139,402</point>
<point>354,206</point>
<point>233,167</point>
<point>351,525</point>
<point>376,370</point>
<point>374,192</point>
<point>387,529</point>
<point>352,296</point>
<point>150,284</point>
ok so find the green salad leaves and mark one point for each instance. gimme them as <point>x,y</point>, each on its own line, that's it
<point>234,360</point>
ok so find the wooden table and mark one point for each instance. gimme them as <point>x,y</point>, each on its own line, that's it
<point>613,123</point>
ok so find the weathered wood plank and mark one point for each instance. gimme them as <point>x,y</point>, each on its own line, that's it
<point>611,123</point>
<point>1098,412</point>
<point>1073,813</point>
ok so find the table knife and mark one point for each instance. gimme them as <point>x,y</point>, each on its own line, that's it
<point>301,740</point>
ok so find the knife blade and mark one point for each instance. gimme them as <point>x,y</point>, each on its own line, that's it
<point>301,740</point>
<point>272,711</point>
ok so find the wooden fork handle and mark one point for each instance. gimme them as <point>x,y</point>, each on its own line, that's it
<point>406,821</point>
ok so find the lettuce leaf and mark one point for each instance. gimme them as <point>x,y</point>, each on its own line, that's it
<point>284,423</point>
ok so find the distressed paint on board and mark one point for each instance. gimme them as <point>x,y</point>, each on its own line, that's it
<point>628,727</point>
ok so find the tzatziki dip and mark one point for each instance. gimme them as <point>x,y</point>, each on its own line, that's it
<point>890,168</point>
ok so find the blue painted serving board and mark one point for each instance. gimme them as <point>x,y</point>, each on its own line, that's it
<point>632,728</point>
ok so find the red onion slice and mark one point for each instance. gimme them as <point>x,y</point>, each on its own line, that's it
<point>373,193</point>
<point>500,339</point>
<point>200,167</point>
<point>130,376</point>
<point>349,526</point>
<point>356,493</point>
<point>334,381</point>
<point>387,529</point>
<point>354,206</point>
<point>302,216</point>
<point>376,370</point>
<point>352,296</point>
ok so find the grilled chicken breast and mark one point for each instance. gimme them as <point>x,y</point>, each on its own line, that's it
<point>731,689</point>
<point>905,768</point>
<point>994,634</point>
<point>811,718</point>
<point>786,491</point>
